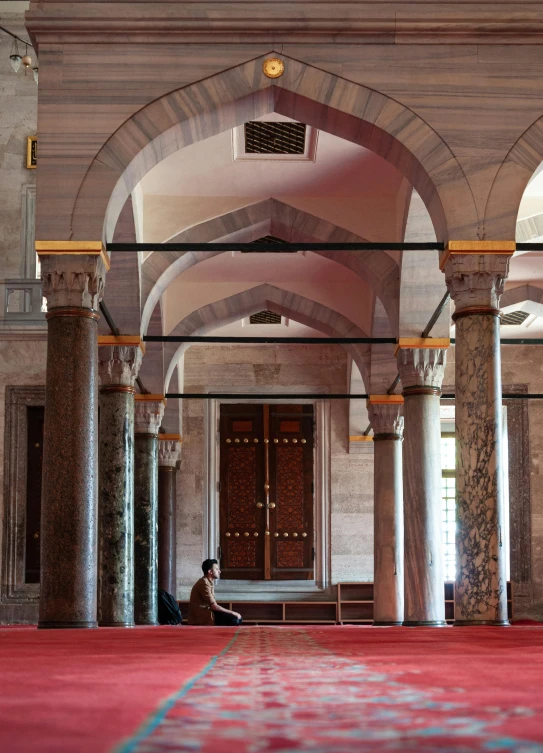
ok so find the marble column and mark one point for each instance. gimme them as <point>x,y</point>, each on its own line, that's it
<point>388,586</point>
<point>148,417</point>
<point>118,368</point>
<point>421,371</point>
<point>476,281</point>
<point>168,456</point>
<point>73,285</point>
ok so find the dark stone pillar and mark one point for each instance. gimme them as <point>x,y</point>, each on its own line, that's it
<point>475,281</point>
<point>118,367</point>
<point>421,371</point>
<point>168,455</point>
<point>149,414</point>
<point>385,413</point>
<point>73,285</point>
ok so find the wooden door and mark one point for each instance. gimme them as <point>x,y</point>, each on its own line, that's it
<point>241,489</point>
<point>266,492</point>
<point>291,489</point>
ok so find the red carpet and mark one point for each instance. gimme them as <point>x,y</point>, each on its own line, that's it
<point>83,691</point>
<point>325,690</point>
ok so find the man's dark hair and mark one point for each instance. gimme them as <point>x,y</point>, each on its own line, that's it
<point>208,564</point>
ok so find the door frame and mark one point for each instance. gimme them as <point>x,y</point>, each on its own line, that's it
<point>321,480</point>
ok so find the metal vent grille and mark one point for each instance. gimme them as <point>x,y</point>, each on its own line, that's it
<point>274,138</point>
<point>268,239</point>
<point>515,317</point>
<point>265,317</point>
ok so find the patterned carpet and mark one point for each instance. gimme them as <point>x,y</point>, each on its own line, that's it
<point>347,690</point>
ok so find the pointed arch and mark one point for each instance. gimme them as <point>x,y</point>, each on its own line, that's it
<point>318,98</point>
<point>291,305</point>
<point>510,182</point>
<point>248,223</point>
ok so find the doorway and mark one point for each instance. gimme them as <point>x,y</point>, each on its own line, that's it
<point>266,510</point>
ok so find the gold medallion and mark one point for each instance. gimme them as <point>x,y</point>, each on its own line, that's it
<point>273,67</point>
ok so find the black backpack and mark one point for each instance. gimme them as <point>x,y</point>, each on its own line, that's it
<point>168,609</point>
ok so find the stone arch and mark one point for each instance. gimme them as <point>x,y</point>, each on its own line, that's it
<point>510,182</point>
<point>318,98</point>
<point>241,305</point>
<point>248,223</point>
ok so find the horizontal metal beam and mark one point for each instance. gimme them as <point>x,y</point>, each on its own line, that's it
<point>272,247</point>
<point>313,396</point>
<point>529,246</point>
<point>304,340</point>
<point>268,340</point>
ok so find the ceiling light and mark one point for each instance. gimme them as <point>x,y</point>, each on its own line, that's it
<point>35,72</point>
<point>15,61</point>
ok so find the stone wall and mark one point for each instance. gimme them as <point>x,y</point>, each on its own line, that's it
<point>282,366</point>
<point>18,120</point>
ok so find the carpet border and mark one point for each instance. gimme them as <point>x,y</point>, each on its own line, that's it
<point>155,717</point>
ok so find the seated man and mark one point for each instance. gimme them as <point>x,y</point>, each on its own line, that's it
<point>203,609</point>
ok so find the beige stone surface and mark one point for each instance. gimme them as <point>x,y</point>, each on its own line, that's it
<point>18,120</point>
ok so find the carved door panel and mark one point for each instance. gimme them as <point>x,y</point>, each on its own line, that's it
<point>291,489</point>
<point>241,489</point>
<point>266,492</point>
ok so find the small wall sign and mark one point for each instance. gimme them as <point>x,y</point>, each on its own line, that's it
<point>32,152</point>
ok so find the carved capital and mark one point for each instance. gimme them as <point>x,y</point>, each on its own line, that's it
<point>476,279</point>
<point>168,452</point>
<point>148,416</point>
<point>422,367</point>
<point>73,280</point>
<point>386,418</point>
<point>118,364</point>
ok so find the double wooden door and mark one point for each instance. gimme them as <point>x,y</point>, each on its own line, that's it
<point>266,492</point>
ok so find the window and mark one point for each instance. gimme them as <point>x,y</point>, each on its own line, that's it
<point>448,504</point>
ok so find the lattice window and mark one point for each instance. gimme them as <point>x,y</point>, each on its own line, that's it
<point>274,138</point>
<point>265,317</point>
<point>448,505</point>
<point>514,318</point>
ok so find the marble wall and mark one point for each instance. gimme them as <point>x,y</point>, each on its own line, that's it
<point>18,120</point>
<point>282,366</point>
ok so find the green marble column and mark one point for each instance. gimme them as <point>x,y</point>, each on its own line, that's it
<point>118,368</point>
<point>148,418</point>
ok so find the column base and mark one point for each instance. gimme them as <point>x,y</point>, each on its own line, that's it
<point>61,625</point>
<point>377,623</point>
<point>476,623</point>
<point>147,624</point>
<point>116,624</point>
<point>424,623</point>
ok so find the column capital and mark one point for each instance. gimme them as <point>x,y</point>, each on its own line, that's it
<point>386,419</point>
<point>422,367</point>
<point>168,451</point>
<point>149,412</point>
<point>118,365</point>
<point>73,280</point>
<point>475,273</point>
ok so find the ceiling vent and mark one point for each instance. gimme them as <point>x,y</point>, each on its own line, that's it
<point>269,239</point>
<point>274,138</point>
<point>514,318</point>
<point>265,317</point>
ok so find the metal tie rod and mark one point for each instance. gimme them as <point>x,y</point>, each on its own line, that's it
<point>269,340</point>
<point>272,247</point>
<point>304,340</point>
<point>314,396</point>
